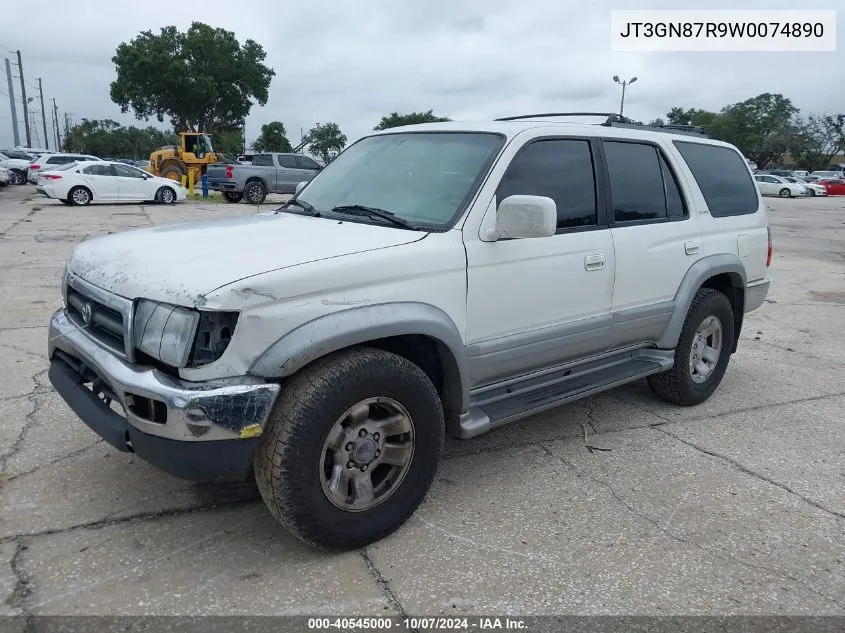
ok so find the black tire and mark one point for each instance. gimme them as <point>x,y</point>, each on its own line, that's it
<point>165,195</point>
<point>80,196</point>
<point>812,193</point>
<point>233,196</point>
<point>255,192</point>
<point>173,172</point>
<point>288,460</point>
<point>677,385</point>
<point>785,193</point>
<point>17,177</point>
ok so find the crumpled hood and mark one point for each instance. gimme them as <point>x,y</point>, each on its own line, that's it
<point>180,263</point>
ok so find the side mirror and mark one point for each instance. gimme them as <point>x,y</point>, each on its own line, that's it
<point>520,217</point>
<point>300,186</point>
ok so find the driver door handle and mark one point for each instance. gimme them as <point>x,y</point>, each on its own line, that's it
<point>595,262</point>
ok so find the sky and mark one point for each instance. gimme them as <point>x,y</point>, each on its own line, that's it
<point>355,61</point>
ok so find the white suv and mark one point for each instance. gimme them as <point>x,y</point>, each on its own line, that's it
<point>446,277</point>
<point>46,161</point>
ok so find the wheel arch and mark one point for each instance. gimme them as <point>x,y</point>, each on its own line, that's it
<point>420,332</point>
<point>725,273</point>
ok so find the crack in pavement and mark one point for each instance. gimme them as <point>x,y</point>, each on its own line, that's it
<point>736,465</point>
<point>141,516</point>
<point>21,591</point>
<point>30,422</point>
<point>19,221</point>
<point>664,529</point>
<point>383,584</point>
<point>50,463</point>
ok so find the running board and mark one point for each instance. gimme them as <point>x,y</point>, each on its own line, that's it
<point>505,402</point>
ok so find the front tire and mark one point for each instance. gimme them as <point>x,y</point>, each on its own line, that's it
<point>80,196</point>
<point>785,193</point>
<point>165,195</point>
<point>255,192</point>
<point>17,177</point>
<point>351,448</point>
<point>233,196</point>
<point>702,354</point>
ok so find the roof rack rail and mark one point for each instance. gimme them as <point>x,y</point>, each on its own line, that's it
<point>617,120</point>
<point>609,115</point>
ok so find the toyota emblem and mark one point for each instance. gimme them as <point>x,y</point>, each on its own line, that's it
<point>86,313</point>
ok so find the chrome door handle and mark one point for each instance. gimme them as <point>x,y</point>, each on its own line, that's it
<point>594,262</point>
<point>691,247</point>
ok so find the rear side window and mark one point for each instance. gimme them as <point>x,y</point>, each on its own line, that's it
<point>307,163</point>
<point>636,182</point>
<point>262,160</point>
<point>723,178</point>
<point>59,160</point>
<point>560,169</point>
<point>287,161</point>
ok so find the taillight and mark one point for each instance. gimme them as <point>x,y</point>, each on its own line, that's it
<point>769,253</point>
<point>35,166</point>
<point>229,171</point>
<point>52,176</point>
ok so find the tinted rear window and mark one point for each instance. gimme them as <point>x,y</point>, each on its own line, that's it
<point>723,178</point>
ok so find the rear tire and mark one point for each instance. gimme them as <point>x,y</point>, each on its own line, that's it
<point>255,192</point>
<point>699,367</point>
<point>80,196</point>
<point>17,177</point>
<point>312,465</point>
<point>233,196</point>
<point>173,172</point>
<point>785,193</point>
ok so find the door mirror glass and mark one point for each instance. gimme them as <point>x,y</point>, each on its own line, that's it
<point>521,216</point>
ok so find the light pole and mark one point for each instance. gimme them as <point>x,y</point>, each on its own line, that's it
<point>624,84</point>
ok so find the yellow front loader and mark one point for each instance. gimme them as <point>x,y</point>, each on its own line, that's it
<point>190,158</point>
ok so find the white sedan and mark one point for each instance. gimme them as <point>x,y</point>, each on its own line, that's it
<point>812,188</point>
<point>102,181</point>
<point>776,186</point>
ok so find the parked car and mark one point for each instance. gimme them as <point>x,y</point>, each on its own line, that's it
<point>47,161</point>
<point>827,174</point>
<point>770,185</point>
<point>19,154</point>
<point>268,173</point>
<point>812,188</point>
<point>17,168</point>
<point>834,186</point>
<point>800,173</point>
<point>100,181</point>
<point>5,179</point>
<point>777,172</point>
<point>434,279</point>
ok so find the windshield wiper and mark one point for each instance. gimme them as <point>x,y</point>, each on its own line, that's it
<point>309,208</point>
<point>373,212</point>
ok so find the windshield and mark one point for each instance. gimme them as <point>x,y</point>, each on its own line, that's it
<point>424,178</point>
<point>208,146</point>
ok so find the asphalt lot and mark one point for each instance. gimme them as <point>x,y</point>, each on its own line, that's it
<point>736,506</point>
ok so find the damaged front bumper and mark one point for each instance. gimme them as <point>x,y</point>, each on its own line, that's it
<point>204,431</point>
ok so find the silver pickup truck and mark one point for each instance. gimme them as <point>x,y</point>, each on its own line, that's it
<point>268,173</point>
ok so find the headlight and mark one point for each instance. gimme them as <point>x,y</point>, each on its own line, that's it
<point>164,332</point>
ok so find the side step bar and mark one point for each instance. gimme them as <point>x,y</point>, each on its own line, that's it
<point>497,405</point>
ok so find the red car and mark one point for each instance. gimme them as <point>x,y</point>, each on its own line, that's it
<point>834,186</point>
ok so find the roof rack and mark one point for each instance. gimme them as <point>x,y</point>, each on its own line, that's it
<point>617,120</point>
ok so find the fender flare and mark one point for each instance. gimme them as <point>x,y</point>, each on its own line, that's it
<point>353,326</point>
<point>696,276</point>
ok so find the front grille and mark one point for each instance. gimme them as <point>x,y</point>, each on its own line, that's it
<point>102,323</point>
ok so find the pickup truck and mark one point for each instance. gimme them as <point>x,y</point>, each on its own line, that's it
<point>268,173</point>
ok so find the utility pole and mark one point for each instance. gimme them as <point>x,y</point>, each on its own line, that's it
<point>67,124</point>
<point>43,115</point>
<point>15,132</point>
<point>25,108</point>
<point>56,122</point>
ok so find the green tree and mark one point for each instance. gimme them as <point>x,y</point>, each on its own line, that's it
<point>394,119</point>
<point>817,140</point>
<point>108,139</point>
<point>691,116</point>
<point>762,127</point>
<point>228,141</point>
<point>325,141</point>
<point>203,79</point>
<point>272,138</point>
<point>657,122</point>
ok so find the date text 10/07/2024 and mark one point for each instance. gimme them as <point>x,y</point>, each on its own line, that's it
<point>418,624</point>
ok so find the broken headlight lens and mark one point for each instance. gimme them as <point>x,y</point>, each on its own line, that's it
<point>214,333</point>
<point>164,332</point>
